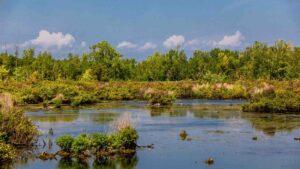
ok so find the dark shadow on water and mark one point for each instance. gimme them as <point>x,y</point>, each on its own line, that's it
<point>121,162</point>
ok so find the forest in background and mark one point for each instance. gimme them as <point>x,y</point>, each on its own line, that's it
<point>104,63</point>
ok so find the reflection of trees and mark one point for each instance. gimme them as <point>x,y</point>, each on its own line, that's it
<point>167,111</point>
<point>198,111</point>
<point>118,162</point>
<point>100,118</point>
<point>269,124</point>
<point>55,118</point>
<point>66,163</point>
<point>122,162</point>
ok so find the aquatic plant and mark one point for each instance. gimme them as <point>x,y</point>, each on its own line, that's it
<point>65,142</point>
<point>80,143</point>
<point>126,138</point>
<point>159,97</point>
<point>183,134</point>
<point>99,141</point>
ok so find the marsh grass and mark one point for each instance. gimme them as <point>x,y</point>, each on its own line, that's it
<point>124,121</point>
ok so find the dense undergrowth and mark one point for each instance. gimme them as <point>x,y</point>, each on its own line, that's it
<point>16,130</point>
<point>264,96</point>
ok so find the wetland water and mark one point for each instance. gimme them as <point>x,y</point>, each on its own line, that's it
<point>218,129</point>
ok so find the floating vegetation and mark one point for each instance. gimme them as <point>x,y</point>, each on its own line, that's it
<point>210,161</point>
<point>183,134</point>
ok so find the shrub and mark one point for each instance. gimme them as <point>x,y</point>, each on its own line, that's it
<point>58,100</point>
<point>19,129</point>
<point>80,144</point>
<point>83,99</point>
<point>7,152</point>
<point>125,138</point>
<point>159,97</point>
<point>99,141</point>
<point>65,142</point>
<point>284,101</point>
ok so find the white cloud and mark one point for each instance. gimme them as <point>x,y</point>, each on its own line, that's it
<point>126,45</point>
<point>174,41</point>
<point>83,44</point>
<point>7,46</point>
<point>48,40</point>
<point>231,40</point>
<point>193,42</point>
<point>148,45</point>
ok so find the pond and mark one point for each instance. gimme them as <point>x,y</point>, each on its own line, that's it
<point>217,129</point>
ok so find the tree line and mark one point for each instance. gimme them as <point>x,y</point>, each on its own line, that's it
<point>280,61</point>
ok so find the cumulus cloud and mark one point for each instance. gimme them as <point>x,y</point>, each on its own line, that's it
<point>148,45</point>
<point>174,41</point>
<point>231,40</point>
<point>83,44</point>
<point>126,45</point>
<point>48,40</point>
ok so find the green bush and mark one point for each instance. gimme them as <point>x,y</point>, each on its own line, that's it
<point>99,141</point>
<point>125,138</point>
<point>282,102</point>
<point>83,99</point>
<point>7,152</point>
<point>65,142</point>
<point>18,129</point>
<point>158,97</point>
<point>80,144</point>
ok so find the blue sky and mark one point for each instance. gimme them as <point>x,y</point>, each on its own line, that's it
<point>137,28</point>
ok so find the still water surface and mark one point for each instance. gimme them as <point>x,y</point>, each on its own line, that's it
<point>218,130</point>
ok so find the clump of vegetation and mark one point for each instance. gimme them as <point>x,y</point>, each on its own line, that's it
<point>210,161</point>
<point>183,134</point>
<point>99,141</point>
<point>126,138</point>
<point>65,142</point>
<point>58,100</point>
<point>80,144</point>
<point>159,97</point>
<point>7,152</point>
<point>15,128</point>
<point>280,102</point>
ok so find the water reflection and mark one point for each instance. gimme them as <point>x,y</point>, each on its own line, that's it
<point>118,162</point>
<point>269,124</point>
<point>76,115</point>
<point>221,131</point>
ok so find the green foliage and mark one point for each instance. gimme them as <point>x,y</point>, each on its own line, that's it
<point>16,128</point>
<point>83,99</point>
<point>3,72</point>
<point>125,138</point>
<point>160,97</point>
<point>283,102</point>
<point>103,63</point>
<point>65,142</point>
<point>99,141</point>
<point>81,143</point>
<point>7,152</point>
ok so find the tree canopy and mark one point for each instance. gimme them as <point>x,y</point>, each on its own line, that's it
<point>104,63</point>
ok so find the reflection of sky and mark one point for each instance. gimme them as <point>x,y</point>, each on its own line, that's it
<point>218,131</point>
